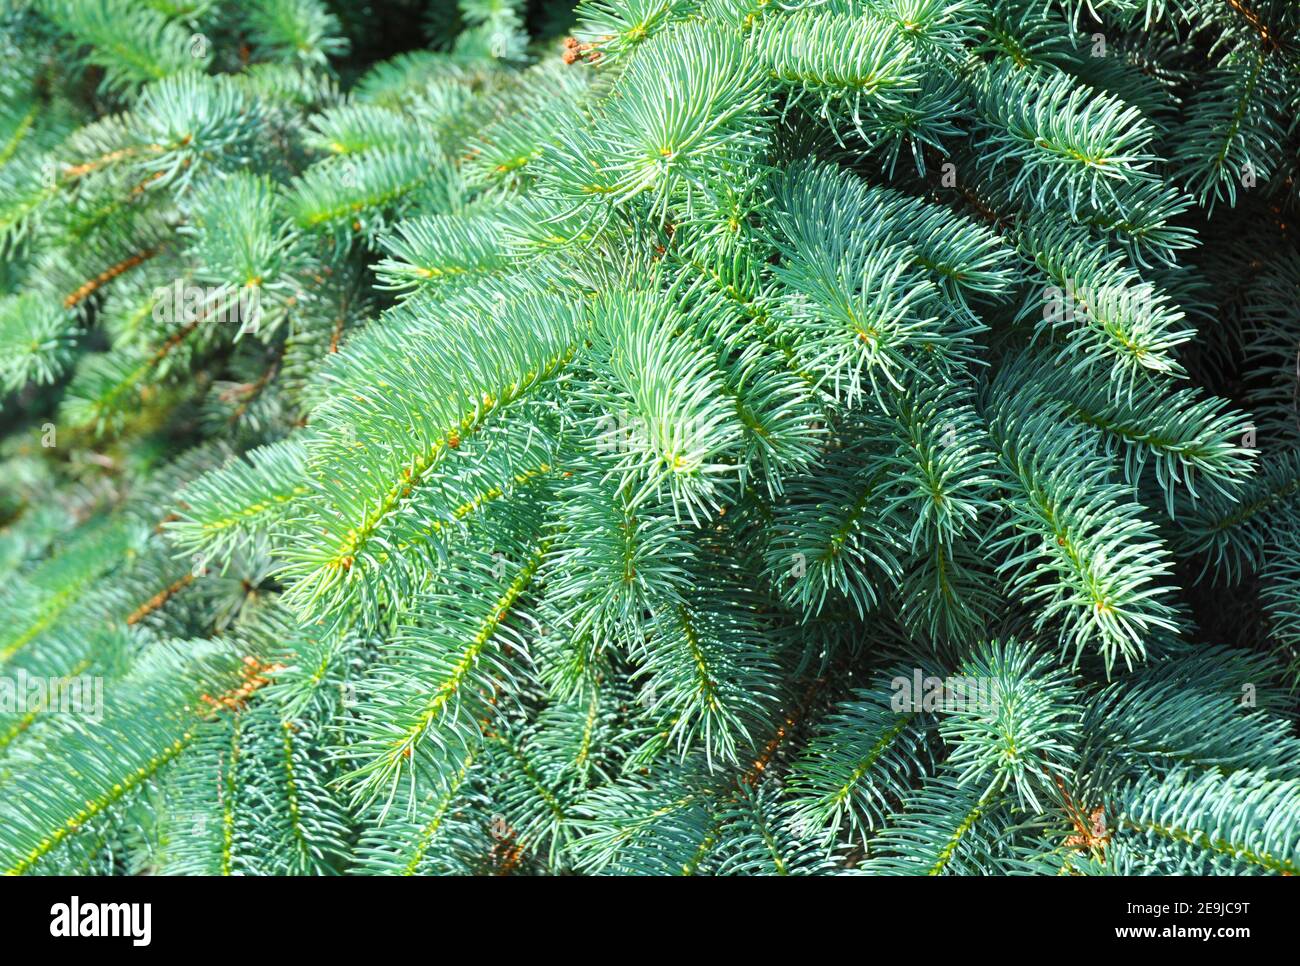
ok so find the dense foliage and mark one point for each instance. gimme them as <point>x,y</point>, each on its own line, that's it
<point>661,436</point>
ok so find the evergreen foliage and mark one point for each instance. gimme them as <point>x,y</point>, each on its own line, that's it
<point>528,436</point>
